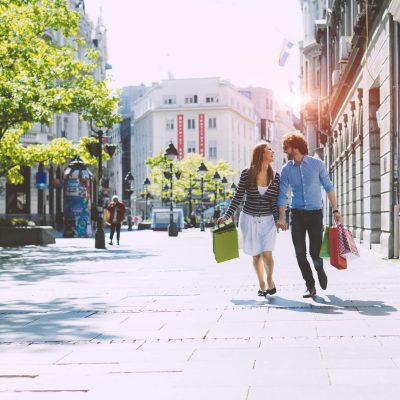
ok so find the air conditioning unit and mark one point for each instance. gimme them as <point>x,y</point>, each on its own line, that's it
<point>344,48</point>
<point>335,77</point>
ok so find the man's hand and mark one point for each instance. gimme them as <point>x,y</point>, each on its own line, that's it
<point>338,217</point>
<point>281,224</point>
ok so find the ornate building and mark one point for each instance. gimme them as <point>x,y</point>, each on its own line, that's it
<point>355,110</point>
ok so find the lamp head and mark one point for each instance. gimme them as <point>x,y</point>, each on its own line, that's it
<point>171,153</point>
<point>202,170</point>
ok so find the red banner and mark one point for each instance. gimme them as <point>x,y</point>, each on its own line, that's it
<point>180,137</point>
<point>201,135</point>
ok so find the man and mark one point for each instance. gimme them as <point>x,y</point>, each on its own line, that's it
<point>115,216</point>
<point>305,175</point>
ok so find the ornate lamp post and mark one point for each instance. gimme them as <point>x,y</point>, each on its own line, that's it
<point>202,170</point>
<point>95,149</point>
<point>224,182</point>
<point>146,184</point>
<point>171,154</point>
<point>129,190</point>
<point>216,178</point>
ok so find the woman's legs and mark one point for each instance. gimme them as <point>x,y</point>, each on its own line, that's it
<point>269,268</point>
<point>259,268</point>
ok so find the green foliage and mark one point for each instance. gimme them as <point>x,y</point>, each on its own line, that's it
<point>189,176</point>
<point>14,222</point>
<point>39,78</point>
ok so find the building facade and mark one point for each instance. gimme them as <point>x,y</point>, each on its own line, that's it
<point>208,116</point>
<point>46,205</point>
<point>356,111</point>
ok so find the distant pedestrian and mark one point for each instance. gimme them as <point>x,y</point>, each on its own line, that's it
<point>259,187</point>
<point>193,221</point>
<point>217,214</point>
<point>115,216</point>
<point>305,175</point>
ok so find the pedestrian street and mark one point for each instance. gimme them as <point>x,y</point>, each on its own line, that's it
<point>157,318</point>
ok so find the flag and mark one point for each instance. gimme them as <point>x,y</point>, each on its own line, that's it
<point>286,47</point>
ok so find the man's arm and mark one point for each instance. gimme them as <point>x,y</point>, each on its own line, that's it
<point>282,200</point>
<point>335,211</point>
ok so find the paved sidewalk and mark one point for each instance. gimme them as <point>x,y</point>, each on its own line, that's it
<point>157,318</point>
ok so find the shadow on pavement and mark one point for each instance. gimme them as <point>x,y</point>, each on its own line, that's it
<point>34,263</point>
<point>54,321</point>
<point>320,305</point>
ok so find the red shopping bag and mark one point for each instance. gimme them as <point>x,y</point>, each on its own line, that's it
<point>347,245</point>
<point>336,260</point>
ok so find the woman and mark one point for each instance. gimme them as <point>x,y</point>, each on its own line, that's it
<point>257,221</point>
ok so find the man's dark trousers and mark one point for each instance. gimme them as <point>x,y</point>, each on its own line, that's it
<point>311,222</point>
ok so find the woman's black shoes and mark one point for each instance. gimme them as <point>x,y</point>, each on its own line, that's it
<point>268,291</point>
<point>271,291</point>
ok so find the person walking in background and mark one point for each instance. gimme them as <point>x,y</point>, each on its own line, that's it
<point>115,216</point>
<point>305,175</point>
<point>259,187</point>
<point>217,214</point>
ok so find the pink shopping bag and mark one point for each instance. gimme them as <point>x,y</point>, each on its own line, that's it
<point>347,245</point>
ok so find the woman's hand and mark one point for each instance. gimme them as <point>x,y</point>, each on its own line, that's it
<point>221,220</point>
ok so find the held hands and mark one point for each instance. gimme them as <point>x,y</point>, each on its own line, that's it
<point>281,224</point>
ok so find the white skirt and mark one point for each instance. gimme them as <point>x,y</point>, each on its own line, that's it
<point>256,234</point>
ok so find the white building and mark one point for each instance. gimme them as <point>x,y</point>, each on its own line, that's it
<point>203,115</point>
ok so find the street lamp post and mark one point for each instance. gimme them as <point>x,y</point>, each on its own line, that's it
<point>202,170</point>
<point>129,190</point>
<point>96,150</point>
<point>146,184</point>
<point>216,178</point>
<point>171,154</point>
<point>224,182</point>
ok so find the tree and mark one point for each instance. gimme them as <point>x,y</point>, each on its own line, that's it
<point>189,178</point>
<point>39,78</point>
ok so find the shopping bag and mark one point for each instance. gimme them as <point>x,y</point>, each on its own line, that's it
<point>347,245</point>
<point>336,260</point>
<point>324,252</point>
<point>225,242</point>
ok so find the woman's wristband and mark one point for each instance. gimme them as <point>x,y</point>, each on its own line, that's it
<point>335,211</point>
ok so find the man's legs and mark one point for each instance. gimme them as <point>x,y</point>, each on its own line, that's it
<point>118,228</point>
<point>315,232</point>
<point>299,242</point>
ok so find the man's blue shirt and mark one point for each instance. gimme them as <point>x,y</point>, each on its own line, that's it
<point>305,180</point>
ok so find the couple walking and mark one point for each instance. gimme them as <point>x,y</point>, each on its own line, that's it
<point>264,192</point>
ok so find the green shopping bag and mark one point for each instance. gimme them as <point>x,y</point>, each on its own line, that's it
<point>324,252</point>
<point>225,242</point>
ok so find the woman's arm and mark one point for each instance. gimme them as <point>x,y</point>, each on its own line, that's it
<point>238,197</point>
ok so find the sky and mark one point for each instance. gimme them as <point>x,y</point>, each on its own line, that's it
<point>236,40</point>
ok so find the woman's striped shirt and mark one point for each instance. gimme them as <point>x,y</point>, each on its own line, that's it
<point>254,203</point>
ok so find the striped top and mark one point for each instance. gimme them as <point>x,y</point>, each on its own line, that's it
<point>255,203</point>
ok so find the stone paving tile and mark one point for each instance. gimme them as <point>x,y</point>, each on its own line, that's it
<point>377,376</point>
<point>318,391</point>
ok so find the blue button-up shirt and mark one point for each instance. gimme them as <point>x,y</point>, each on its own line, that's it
<point>305,180</point>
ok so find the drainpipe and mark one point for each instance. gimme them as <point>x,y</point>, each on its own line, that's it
<point>396,114</point>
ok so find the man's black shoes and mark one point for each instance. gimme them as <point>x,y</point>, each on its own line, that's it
<point>322,278</point>
<point>310,293</point>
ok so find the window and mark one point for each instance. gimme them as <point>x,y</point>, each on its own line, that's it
<point>170,124</point>
<point>212,149</point>
<point>191,99</point>
<point>191,147</point>
<point>169,99</point>
<point>191,123</point>
<point>212,123</point>
<point>212,99</point>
